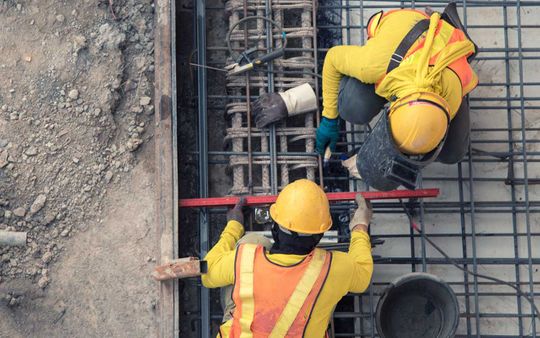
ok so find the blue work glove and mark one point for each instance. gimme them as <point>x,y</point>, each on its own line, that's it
<point>327,135</point>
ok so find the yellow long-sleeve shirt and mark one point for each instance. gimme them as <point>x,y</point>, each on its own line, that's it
<point>349,272</point>
<point>368,63</point>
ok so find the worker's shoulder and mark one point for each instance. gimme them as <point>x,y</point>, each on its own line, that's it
<point>404,14</point>
<point>341,261</point>
<point>401,20</point>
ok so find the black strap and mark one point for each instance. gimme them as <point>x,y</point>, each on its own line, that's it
<point>405,44</point>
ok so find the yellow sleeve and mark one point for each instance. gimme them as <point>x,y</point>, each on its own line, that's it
<point>366,63</point>
<point>451,90</point>
<point>220,258</point>
<point>360,253</point>
<point>339,61</point>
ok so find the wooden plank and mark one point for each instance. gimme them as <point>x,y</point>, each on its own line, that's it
<point>166,164</point>
<point>178,268</point>
<point>332,197</point>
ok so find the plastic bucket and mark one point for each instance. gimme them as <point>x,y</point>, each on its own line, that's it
<point>417,305</point>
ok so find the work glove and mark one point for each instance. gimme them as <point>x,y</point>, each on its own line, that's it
<point>350,165</point>
<point>272,107</point>
<point>237,213</point>
<point>327,135</point>
<point>363,213</point>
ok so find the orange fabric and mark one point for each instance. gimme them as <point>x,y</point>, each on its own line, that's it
<point>273,286</point>
<point>373,23</point>
<point>461,67</point>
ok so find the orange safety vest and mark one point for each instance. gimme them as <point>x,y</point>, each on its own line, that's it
<point>273,300</point>
<point>445,35</point>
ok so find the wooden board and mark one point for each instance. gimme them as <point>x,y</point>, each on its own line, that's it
<point>166,164</point>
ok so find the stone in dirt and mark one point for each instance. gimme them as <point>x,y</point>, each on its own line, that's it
<point>133,144</point>
<point>4,158</point>
<point>145,101</point>
<point>43,282</point>
<point>79,42</point>
<point>73,94</point>
<point>110,37</point>
<point>19,212</point>
<point>38,204</point>
<point>14,301</point>
<point>108,176</point>
<point>31,151</point>
<point>47,257</point>
<point>49,218</point>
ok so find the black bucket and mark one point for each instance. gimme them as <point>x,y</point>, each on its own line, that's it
<point>417,305</point>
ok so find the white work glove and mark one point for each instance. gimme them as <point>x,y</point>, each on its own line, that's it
<point>299,100</point>
<point>272,107</point>
<point>350,165</point>
<point>363,213</point>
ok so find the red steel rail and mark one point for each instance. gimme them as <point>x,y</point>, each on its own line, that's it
<point>332,197</point>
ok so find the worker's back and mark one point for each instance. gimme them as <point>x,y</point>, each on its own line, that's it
<point>348,272</point>
<point>288,288</point>
<point>369,63</point>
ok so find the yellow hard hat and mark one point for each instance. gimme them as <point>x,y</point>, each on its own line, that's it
<point>419,122</point>
<point>302,207</point>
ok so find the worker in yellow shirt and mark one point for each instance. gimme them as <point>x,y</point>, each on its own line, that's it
<point>416,61</point>
<point>419,63</point>
<point>289,288</point>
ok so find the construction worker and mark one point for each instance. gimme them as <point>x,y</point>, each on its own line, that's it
<point>419,63</point>
<point>289,288</point>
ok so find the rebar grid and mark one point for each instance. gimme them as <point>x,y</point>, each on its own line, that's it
<point>273,169</point>
<point>487,201</point>
<point>488,215</point>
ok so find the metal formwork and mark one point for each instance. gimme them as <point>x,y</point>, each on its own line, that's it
<point>487,218</point>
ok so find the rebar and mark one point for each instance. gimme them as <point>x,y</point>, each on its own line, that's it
<point>282,74</point>
<point>488,215</point>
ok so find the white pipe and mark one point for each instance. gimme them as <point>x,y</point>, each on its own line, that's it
<point>12,238</point>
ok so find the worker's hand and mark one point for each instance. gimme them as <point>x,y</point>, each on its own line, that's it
<point>236,213</point>
<point>268,108</point>
<point>363,214</point>
<point>327,135</point>
<point>429,11</point>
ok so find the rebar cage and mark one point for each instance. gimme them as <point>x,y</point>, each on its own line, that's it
<point>487,216</point>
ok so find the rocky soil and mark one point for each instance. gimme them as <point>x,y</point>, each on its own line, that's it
<point>76,116</point>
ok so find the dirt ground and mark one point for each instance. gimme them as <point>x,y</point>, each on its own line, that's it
<point>76,168</point>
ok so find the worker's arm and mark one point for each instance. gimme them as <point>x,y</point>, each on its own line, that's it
<point>360,247</point>
<point>341,60</point>
<point>220,258</point>
<point>451,90</point>
<point>366,63</point>
<point>360,252</point>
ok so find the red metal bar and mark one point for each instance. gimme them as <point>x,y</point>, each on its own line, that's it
<point>332,197</point>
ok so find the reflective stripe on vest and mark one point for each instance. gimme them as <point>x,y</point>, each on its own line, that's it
<point>445,37</point>
<point>245,289</point>
<point>281,298</point>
